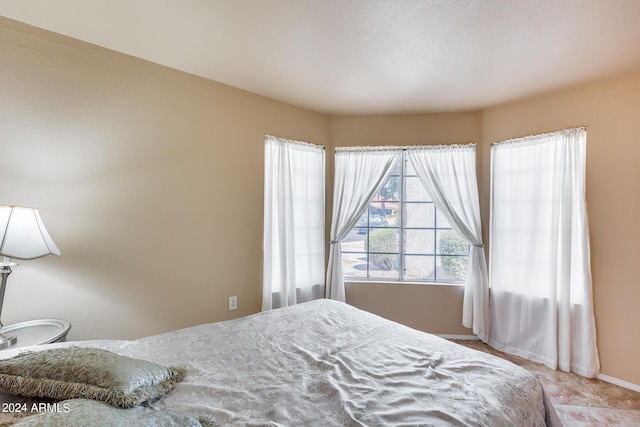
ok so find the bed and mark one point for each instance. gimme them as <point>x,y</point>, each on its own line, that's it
<point>325,363</point>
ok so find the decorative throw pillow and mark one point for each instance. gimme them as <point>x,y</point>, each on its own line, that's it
<point>91,413</point>
<point>80,372</point>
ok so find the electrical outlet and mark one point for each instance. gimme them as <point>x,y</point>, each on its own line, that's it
<point>233,303</point>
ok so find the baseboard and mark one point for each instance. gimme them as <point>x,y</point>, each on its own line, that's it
<point>458,337</point>
<point>621,383</point>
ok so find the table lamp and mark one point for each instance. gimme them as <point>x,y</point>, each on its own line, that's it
<point>22,236</point>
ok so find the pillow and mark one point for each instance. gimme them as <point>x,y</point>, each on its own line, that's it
<point>91,413</point>
<point>92,373</point>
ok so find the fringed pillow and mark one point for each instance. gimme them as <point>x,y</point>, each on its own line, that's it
<point>90,373</point>
<point>90,413</point>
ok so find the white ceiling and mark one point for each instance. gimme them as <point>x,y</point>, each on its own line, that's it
<point>364,56</point>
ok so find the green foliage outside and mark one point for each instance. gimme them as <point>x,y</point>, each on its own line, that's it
<point>386,240</point>
<point>383,240</point>
<point>452,244</point>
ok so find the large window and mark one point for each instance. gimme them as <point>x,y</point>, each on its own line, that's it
<point>293,251</point>
<point>541,293</point>
<point>402,237</point>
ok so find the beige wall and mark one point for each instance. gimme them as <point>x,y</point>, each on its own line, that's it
<point>431,308</point>
<point>611,112</point>
<point>149,180</point>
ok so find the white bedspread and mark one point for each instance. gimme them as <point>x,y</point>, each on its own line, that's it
<point>324,363</point>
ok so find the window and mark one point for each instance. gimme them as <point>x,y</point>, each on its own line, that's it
<point>541,292</point>
<point>293,251</point>
<point>402,237</point>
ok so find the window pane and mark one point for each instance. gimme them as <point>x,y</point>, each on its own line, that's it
<point>419,242</point>
<point>418,268</point>
<point>390,190</point>
<point>450,243</point>
<point>419,215</point>
<point>396,169</point>
<point>354,265</point>
<point>414,190</point>
<point>376,209</point>
<point>383,240</point>
<point>364,220</point>
<point>355,241</point>
<point>392,217</point>
<point>383,266</point>
<point>453,268</point>
<point>441,220</point>
<point>408,168</point>
<point>384,214</point>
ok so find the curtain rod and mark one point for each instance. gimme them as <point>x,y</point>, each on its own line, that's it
<point>541,135</point>
<point>293,141</point>
<point>404,147</point>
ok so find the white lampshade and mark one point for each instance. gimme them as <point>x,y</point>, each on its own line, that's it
<point>22,234</point>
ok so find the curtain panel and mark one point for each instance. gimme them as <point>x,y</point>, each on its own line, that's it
<point>448,172</point>
<point>293,245</point>
<point>540,273</point>
<point>359,174</point>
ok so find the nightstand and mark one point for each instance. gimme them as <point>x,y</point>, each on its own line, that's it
<point>37,332</point>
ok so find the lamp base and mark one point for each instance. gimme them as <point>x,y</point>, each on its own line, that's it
<point>7,341</point>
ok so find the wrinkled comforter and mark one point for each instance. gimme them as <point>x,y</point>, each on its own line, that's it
<point>325,363</point>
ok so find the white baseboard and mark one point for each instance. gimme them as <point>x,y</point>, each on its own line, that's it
<point>458,337</point>
<point>621,383</point>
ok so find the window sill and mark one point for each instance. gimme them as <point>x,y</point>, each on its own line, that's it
<point>401,282</point>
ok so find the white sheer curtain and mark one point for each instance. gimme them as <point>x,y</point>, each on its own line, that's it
<point>294,250</point>
<point>540,274</point>
<point>359,174</point>
<point>449,175</point>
